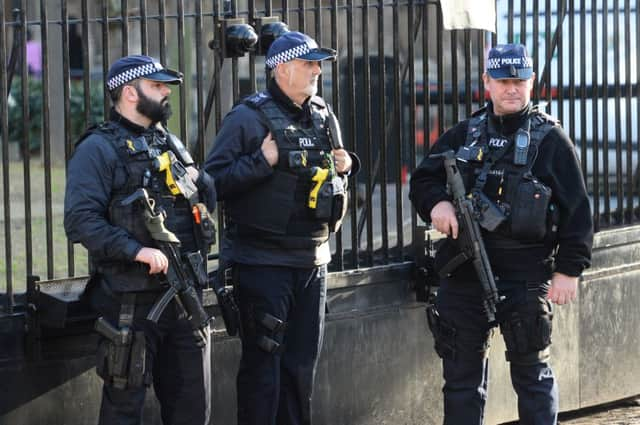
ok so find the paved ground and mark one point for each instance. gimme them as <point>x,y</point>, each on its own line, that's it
<point>623,413</point>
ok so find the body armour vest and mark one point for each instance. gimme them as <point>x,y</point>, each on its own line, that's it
<point>277,211</point>
<point>136,153</point>
<point>508,183</point>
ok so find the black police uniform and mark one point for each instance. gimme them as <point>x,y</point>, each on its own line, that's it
<point>522,260</point>
<point>110,163</point>
<point>279,250</point>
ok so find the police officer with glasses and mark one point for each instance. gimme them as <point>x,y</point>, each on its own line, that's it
<point>520,168</point>
<point>281,171</point>
<point>118,178</point>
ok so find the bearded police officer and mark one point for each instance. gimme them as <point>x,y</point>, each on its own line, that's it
<point>281,170</point>
<point>124,171</point>
<point>521,168</point>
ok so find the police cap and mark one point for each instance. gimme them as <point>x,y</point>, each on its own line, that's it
<point>509,61</point>
<point>132,67</point>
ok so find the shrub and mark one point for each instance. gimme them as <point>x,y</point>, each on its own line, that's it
<point>34,121</point>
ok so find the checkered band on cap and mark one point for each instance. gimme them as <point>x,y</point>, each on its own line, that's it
<point>131,74</point>
<point>287,55</point>
<point>497,63</point>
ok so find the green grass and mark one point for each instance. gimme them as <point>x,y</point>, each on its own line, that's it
<point>39,239</point>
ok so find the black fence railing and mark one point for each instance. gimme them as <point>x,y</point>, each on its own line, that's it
<point>400,80</point>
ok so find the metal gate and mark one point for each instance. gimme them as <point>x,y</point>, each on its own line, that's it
<point>400,80</point>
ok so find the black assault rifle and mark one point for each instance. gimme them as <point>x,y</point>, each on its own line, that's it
<point>469,237</point>
<point>181,286</point>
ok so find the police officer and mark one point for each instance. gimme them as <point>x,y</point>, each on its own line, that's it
<point>111,162</point>
<point>281,173</point>
<point>523,167</point>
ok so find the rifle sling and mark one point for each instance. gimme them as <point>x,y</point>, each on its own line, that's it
<point>127,309</point>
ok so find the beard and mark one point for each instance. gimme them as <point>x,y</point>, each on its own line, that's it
<point>154,110</point>
<point>311,90</point>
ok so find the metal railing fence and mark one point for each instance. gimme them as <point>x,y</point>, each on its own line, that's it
<point>400,80</point>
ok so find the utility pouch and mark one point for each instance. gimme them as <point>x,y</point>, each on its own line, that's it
<point>275,326</point>
<point>470,153</point>
<point>527,336</point>
<point>197,269</point>
<point>444,334</point>
<point>204,224</point>
<point>324,204</point>
<point>223,284</point>
<point>340,203</point>
<point>543,327</point>
<point>489,215</point>
<point>529,209</point>
<point>515,331</point>
<point>269,345</point>
<point>272,323</point>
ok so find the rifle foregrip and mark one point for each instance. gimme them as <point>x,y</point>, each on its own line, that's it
<point>195,311</point>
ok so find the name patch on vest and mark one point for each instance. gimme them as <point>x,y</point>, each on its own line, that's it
<point>496,142</point>
<point>306,142</point>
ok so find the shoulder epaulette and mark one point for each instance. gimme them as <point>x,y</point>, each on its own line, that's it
<point>475,126</point>
<point>318,101</point>
<point>541,124</point>
<point>542,117</point>
<point>479,111</point>
<point>95,128</point>
<point>257,99</point>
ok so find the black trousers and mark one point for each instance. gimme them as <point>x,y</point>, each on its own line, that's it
<point>275,387</point>
<point>465,359</point>
<point>179,370</point>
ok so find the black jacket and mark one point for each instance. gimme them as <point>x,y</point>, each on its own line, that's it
<point>237,164</point>
<point>557,167</point>
<point>94,173</point>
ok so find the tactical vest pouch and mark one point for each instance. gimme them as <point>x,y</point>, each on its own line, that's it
<point>267,206</point>
<point>489,215</point>
<point>205,226</point>
<point>529,209</point>
<point>340,203</point>
<point>444,334</point>
<point>527,336</point>
<point>324,206</point>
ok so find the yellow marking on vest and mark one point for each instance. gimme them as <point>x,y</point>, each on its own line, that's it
<point>130,145</point>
